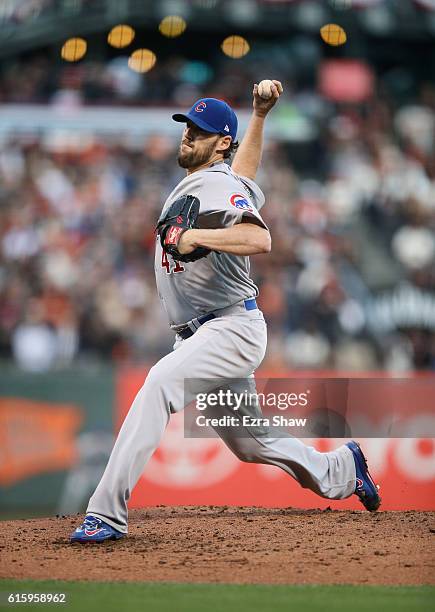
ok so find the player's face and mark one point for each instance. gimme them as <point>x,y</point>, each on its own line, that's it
<point>197,146</point>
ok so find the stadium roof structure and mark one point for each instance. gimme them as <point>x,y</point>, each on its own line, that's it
<point>25,26</point>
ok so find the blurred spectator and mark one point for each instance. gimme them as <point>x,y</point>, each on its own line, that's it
<point>33,341</point>
<point>20,11</point>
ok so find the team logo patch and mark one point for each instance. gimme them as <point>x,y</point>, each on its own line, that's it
<point>200,107</point>
<point>359,483</point>
<point>240,201</point>
<point>91,532</point>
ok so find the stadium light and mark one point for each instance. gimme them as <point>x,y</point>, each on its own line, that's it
<point>235,46</point>
<point>142,60</point>
<point>121,36</point>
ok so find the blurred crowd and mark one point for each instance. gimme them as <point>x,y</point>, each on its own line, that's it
<point>174,79</point>
<point>350,282</point>
<point>17,12</point>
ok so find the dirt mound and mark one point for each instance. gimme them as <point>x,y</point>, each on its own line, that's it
<point>225,544</point>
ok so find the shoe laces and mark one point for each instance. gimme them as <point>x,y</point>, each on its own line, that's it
<point>91,522</point>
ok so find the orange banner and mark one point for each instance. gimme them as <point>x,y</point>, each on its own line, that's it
<point>36,437</point>
<point>203,471</point>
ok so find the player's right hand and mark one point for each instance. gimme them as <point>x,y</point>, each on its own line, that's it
<point>263,105</point>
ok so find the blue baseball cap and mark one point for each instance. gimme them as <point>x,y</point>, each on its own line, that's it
<point>211,115</point>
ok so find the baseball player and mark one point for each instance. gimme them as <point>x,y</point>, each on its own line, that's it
<point>209,226</point>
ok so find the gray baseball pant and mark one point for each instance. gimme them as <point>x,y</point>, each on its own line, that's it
<point>230,346</point>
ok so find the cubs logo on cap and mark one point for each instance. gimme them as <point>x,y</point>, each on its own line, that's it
<point>199,108</point>
<point>240,201</point>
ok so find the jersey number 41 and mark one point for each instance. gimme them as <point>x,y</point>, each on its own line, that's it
<point>166,263</point>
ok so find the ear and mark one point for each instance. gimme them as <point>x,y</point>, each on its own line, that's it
<point>223,144</point>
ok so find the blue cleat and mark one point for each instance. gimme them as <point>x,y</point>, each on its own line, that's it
<point>366,489</point>
<point>94,529</point>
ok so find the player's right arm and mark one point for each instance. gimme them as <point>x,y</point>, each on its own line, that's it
<point>248,156</point>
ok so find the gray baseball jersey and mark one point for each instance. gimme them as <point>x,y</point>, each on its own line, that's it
<point>188,290</point>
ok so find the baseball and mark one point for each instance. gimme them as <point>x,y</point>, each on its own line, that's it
<point>264,89</point>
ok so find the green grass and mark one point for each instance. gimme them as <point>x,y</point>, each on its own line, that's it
<point>174,597</point>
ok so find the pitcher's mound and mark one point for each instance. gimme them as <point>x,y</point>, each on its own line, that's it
<point>226,544</point>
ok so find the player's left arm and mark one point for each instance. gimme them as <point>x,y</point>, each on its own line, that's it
<point>242,239</point>
<point>248,156</point>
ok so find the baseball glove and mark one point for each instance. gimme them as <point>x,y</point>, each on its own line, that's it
<point>179,217</point>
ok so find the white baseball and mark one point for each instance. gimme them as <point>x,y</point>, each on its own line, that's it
<point>264,89</point>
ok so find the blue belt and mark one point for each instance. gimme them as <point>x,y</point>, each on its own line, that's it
<point>187,332</point>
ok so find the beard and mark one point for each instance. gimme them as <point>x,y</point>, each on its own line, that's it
<point>193,159</point>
